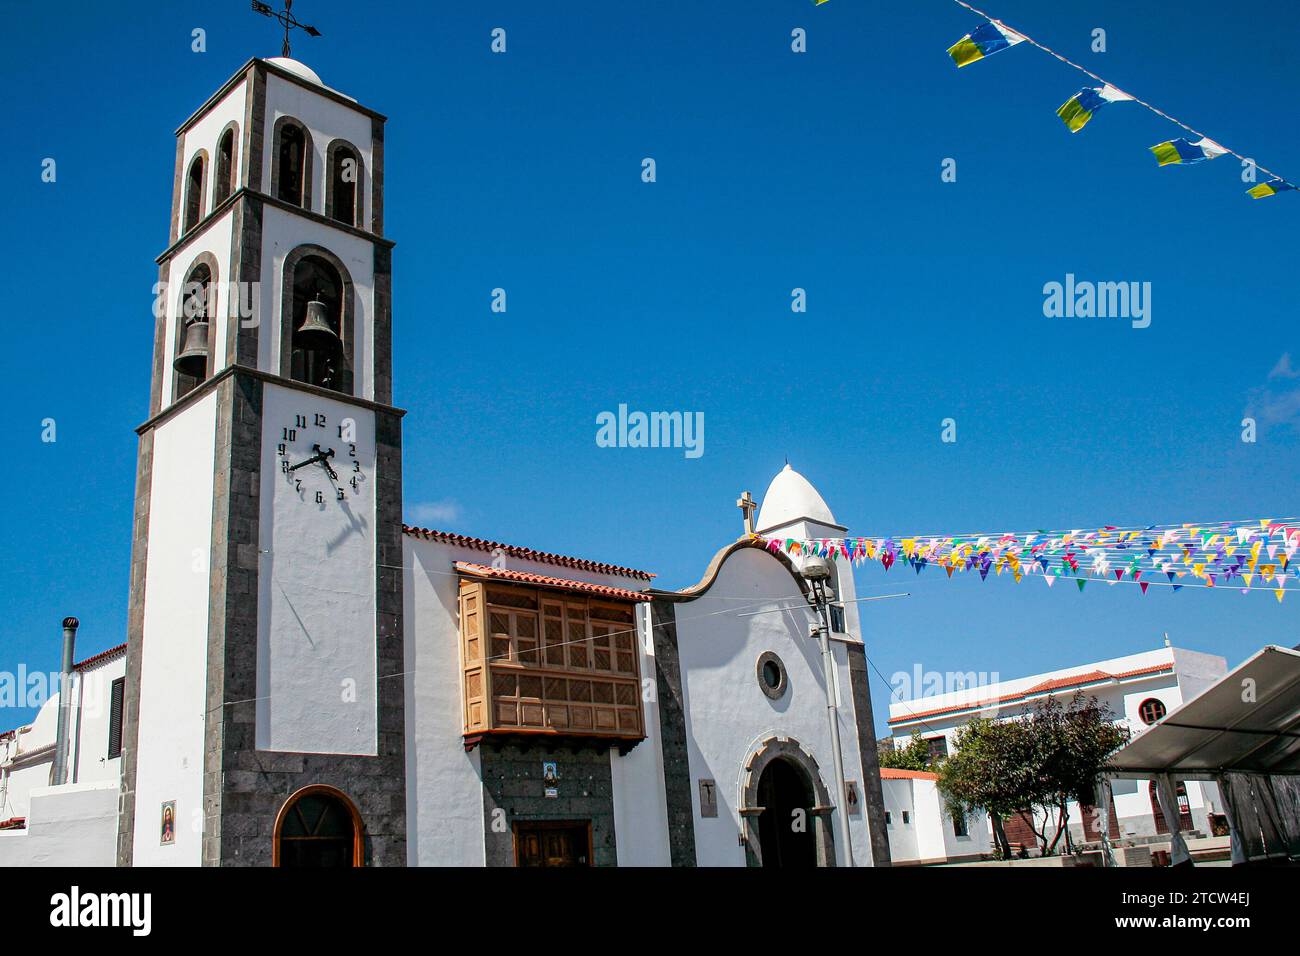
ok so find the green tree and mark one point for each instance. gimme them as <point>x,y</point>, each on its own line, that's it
<point>1032,766</point>
<point>915,756</point>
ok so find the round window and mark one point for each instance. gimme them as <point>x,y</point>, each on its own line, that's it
<point>1151,710</point>
<point>771,675</point>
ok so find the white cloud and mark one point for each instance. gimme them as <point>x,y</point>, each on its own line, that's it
<point>1284,368</point>
<point>1277,401</point>
<point>434,512</point>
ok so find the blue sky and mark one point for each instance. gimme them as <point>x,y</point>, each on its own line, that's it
<point>775,171</point>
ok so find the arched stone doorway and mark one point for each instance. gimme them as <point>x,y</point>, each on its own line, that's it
<point>318,827</point>
<point>781,779</point>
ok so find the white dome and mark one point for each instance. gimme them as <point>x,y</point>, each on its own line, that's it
<point>301,70</point>
<point>791,497</point>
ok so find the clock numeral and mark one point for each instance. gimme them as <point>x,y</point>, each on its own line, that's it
<point>300,421</point>
<point>354,485</point>
<point>352,450</point>
<point>340,491</point>
<point>290,434</point>
<point>356,466</point>
<point>320,498</point>
<point>297,485</point>
<point>282,449</point>
<point>319,421</point>
<point>284,466</point>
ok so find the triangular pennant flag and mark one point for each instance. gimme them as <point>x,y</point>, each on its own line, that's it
<point>1180,152</point>
<point>1144,585</point>
<point>1270,188</point>
<point>984,40</point>
<point>1078,109</point>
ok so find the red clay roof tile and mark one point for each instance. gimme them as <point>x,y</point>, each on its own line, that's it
<point>545,557</point>
<point>528,577</point>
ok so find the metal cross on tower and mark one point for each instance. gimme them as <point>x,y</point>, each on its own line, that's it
<point>286,19</point>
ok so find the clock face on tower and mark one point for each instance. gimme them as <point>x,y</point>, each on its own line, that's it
<point>317,567</point>
<point>320,457</point>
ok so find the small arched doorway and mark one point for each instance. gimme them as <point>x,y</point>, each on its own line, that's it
<point>318,827</point>
<point>785,827</point>
<point>779,778</point>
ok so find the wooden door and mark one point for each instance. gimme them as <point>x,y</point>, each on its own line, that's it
<point>553,843</point>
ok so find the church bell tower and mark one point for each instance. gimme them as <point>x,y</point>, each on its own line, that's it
<point>264,708</point>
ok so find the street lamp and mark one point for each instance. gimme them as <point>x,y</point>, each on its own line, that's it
<point>816,571</point>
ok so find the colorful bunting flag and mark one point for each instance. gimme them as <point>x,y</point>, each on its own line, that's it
<point>1078,109</point>
<point>1270,188</point>
<point>1180,152</point>
<point>1113,554</point>
<point>985,40</point>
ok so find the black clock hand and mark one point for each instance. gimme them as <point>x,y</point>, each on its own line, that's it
<point>304,464</point>
<point>323,458</point>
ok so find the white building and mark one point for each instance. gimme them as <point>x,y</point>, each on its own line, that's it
<point>72,821</point>
<point>921,831</point>
<point>1138,689</point>
<point>308,681</point>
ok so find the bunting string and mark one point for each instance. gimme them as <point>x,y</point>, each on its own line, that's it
<point>1231,554</point>
<point>994,36</point>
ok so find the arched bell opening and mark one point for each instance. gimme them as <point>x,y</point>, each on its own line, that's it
<point>316,338</point>
<point>226,175</point>
<point>343,185</point>
<point>195,185</point>
<point>317,357</point>
<point>192,364</point>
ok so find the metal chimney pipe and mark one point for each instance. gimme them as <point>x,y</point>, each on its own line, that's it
<point>59,772</point>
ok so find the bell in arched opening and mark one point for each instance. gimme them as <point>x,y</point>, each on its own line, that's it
<point>315,332</point>
<point>193,357</point>
<point>318,350</point>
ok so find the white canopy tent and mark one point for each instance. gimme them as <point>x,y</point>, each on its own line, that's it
<point>1243,732</point>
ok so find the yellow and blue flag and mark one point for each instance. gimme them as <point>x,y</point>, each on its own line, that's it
<point>1270,188</point>
<point>1078,109</point>
<point>985,40</point>
<point>1180,152</point>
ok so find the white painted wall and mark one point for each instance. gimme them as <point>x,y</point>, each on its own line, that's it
<point>70,826</point>
<point>902,833</point>
<point>173,676</point>
<point>928,835</point>
<point>728,715</point>
<point>444,790</point>
<point>316,591</point>
<point>640,798</point>
<point>88,757</point>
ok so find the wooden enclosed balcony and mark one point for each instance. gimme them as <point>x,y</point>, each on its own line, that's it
<point>547,657</point>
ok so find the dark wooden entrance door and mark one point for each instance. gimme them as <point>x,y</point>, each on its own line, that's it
<point>553,843</point>
<point>785,836</point>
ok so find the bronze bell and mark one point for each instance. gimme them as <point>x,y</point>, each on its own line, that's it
<point>315,331</point>
<point>193,358</point>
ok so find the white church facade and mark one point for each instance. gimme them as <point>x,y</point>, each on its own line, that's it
<point>309,681</point>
